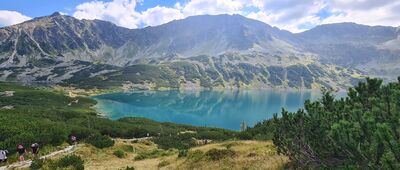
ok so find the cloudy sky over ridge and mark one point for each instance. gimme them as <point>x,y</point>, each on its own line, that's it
<point>292,15</point>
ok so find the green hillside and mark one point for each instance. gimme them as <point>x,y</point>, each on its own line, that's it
<point>47,117</point>
<point>225,71</point>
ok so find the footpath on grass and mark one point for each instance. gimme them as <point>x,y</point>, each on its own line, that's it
<point>27,163</point>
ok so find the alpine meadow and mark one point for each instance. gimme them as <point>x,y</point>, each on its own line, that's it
<point>199,84</point>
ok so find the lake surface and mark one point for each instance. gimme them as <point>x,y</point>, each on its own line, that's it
<point>223,109</point>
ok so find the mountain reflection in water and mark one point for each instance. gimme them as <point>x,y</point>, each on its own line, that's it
<point>223,109</point>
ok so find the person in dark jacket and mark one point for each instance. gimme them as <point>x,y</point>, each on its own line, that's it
<point>73,140</point>
<point>35,149</point>
<point>21,152</point>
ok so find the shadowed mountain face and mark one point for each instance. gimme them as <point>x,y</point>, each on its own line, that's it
<point>68,38</point>
<point>374,49</point>
<point>213,35</point>
<point>60,48</point>
<point>60,38</point>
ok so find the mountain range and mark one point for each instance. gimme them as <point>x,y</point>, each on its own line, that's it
<point>224,51</point>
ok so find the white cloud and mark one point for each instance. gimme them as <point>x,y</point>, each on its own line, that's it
<point>275,20</point>
<point>289,14</point>
<point>63,13</point>
<point>201,7</point>
<point>120,12</point>
<point>369,12</point>
<point>11,17</point>
<point>360,4</point>
<point>292,15</point>
<point>159,15</point>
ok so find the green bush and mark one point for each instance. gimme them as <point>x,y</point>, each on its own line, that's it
<point>182,141</point>
<point>81,133</point>
<point>182,153</point>
<point>146,142</point>
<point>163,163</point>
<point>261,131</point>
<point>360,131</point>
<point>153,154</point>
<point>218,135</point>
<point>120,153</point>
<point>195,155</point>
<point>245,135</point>
<point>71,161</point>
<point>129,168</point>
<point>128,148</point>
<point>141,157</point>
<point>100,141</point>
<point>218,154</point>
<point>230,145</point>
<point>37,164</point>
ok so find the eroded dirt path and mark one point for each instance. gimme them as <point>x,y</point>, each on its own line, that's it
<point>27,163</point>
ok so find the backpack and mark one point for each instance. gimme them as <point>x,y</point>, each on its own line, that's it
<point>35,145</point>
<point>3,154</point>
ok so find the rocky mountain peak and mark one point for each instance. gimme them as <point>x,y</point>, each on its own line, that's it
<point>58,39</point>
<point>55,14</point>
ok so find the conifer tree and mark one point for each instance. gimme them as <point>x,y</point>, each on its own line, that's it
<point>359,131</point>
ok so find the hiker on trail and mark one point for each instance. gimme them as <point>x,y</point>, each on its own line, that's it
<point>21,152</point>
<point>3,156</point>
<point>35,149</point>
<point>73,139</point>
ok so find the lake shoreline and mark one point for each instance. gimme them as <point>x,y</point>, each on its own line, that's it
<point>202,107</point>
<point>76,91</point>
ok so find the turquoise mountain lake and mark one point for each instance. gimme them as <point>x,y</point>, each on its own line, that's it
<point>223,109</point>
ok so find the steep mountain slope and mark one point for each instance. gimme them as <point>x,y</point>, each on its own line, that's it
<point>373,49</point>
<point>59,38</point>
<point>65,38</point>
<point>237,52</point>
<point>228,70</point>
<point>212,35</point>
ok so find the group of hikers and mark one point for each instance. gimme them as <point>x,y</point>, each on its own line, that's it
<point>21,151</point>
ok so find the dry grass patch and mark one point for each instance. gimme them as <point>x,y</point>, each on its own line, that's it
<point>110,158</point>
<point>228,155</point>
<point>239,155</point>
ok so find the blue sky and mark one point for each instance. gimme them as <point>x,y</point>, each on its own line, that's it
<point>292,15</point>
<point>36,8</point>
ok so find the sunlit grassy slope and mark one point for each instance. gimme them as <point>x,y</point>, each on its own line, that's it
<point>146,155</point>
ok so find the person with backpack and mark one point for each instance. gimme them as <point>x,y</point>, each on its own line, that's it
<point>21,152</point>
<point>3,156</point>
<point>35,149</point>
<point>73,139</point>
